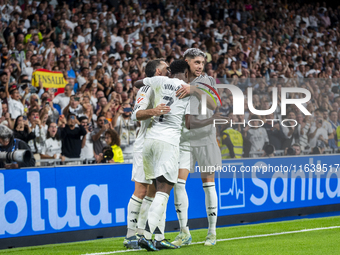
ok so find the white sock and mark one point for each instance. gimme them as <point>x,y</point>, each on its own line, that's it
<point>132,215</point>
<point>211,205</point>
<point>182,205</point>
<point>156,211</point>
<point>143,214</point>
<point>159,236</point>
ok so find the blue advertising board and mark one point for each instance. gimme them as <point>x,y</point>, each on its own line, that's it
<point>36,201</point>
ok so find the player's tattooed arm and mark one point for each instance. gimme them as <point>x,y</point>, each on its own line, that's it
<point>187,90</point>
<point>157,111</point>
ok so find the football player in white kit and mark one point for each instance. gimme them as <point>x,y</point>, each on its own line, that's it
<point>197,145</point>
<point>161,144</point>
<point>144,192</point>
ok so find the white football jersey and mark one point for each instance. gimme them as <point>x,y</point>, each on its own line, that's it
<point>204,135</point>
<point>145,98</point>
<point>167,127</point>
<point>51,147</point>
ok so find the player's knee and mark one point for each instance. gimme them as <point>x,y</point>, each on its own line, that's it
<point>208,179</point>
<point>151,191</point>
<point>140,191</point>
<point>183,174</point>
<point>163,185</point>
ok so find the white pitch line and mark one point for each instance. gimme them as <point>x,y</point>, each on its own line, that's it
<point>230,239</point>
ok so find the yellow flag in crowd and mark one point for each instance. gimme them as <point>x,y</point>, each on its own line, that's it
<point>49,79</point>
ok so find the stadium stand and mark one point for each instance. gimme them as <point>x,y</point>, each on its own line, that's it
<point>102,47</point>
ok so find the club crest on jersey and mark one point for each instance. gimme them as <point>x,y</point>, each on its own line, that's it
<point>139,99</point>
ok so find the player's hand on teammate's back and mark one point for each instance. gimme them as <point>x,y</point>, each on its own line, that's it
<point>161,109</point>
<point>184,91</point>
<point>218,115</point>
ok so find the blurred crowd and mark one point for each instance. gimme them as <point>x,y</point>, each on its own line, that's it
<point>102,47</point>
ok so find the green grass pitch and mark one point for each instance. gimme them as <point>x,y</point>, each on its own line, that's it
<point>248,239</point>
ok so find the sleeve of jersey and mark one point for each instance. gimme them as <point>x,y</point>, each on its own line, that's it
<point>154,82</point>
<point>142,101</point>
<point>207,84</point>
<point>193,105</point>
<point>187,110</point>
<point>213,85</point>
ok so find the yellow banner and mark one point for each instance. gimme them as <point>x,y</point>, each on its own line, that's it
<point>49,79</point>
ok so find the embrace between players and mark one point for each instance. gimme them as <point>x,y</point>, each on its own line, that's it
<point>165,151</point>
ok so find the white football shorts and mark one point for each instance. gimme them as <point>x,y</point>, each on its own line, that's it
<point>138,174</point>
<point>160,159</point>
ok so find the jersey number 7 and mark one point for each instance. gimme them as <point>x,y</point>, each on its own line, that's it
<point>170,101</point>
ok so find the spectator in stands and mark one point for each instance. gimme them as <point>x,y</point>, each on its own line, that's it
<point>318,114</point>
<point>22,130</point>
<point>231,142</point>
<point>112,139</point>
<point>36,127</point>
<point>263,45</point>
<point>290,131</point>
<point>333,120</point>
<point>126,129</point>
<point>71,137</point>
<point>63,99</point>
<point>304,126</point>
<point>15,105</point>
<point>294,150</point>
<point>104,156</point>
<point>274,132</point>
<point>83,78</point>
<point>225,108</point>
<point>257,135</point>
<point>318,136</point>
<point>98,135</point>
<point>53,113</point>
<point>87,143</point>
<point>52,145</point>
<point>8,144</point>
<point>74,106</point>
<point>318,150</point>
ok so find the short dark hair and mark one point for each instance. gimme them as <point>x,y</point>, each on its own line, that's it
<point>29,114</point>
<point>179,66</point>
<point>100,116</point>
<point>80,119</point>
<point>151,66</point>
<point>332,112</point>
<point>100,99</point>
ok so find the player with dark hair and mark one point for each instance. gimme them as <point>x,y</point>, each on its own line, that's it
<point>161,145</point>
<point>201,147</point>
<point>144,193</point>
<point>156,67</point>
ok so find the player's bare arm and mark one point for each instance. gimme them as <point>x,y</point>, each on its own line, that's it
<point>157,111</point>
<point>192,122</point>
<point>138,84</point>
<point>187,90</point>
